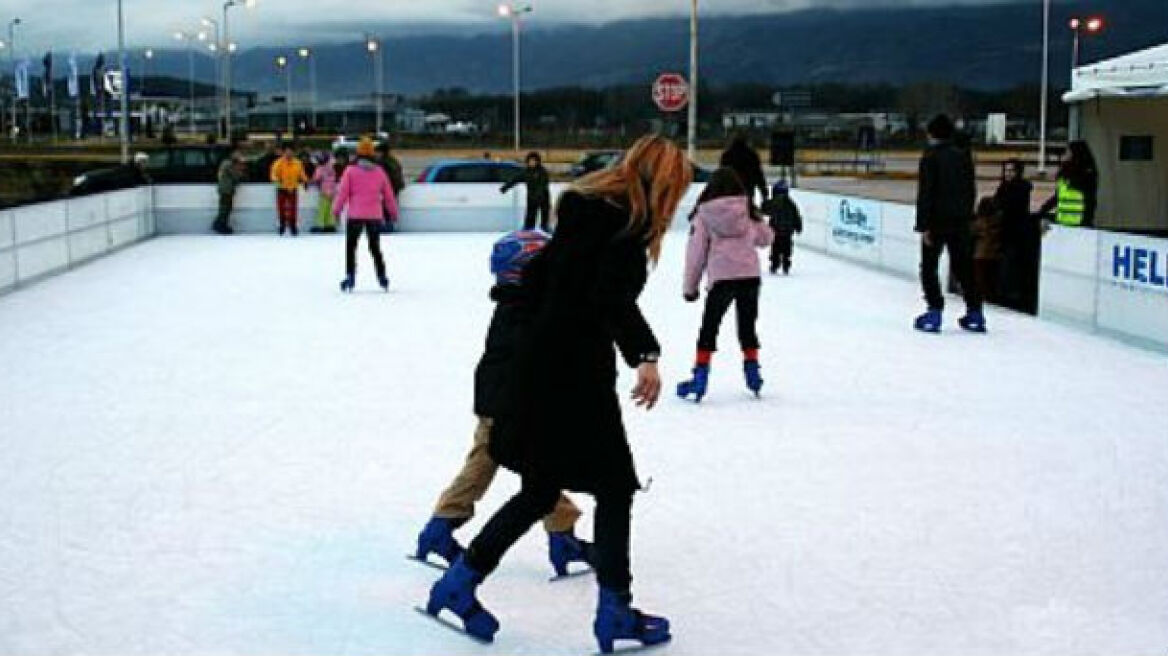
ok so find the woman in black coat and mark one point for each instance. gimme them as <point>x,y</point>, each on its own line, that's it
<point>1021,239</point>
<point>562,427</point>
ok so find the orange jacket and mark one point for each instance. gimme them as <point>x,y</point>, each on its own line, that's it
<point>288,174</point>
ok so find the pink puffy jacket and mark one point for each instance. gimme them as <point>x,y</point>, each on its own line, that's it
<point>364,190</point>
<point>325,178</point>
<point>724,243</point>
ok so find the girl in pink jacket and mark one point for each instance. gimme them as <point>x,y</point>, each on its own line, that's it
<point>364,191</point>
<point>724,239</point>
<point>325,181</point>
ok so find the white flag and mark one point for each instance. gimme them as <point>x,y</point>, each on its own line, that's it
<point>74,82</point>
<point>22,79</point>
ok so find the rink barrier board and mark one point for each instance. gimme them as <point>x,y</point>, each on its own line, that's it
<point>41,240</point>
<point>1108,283</point>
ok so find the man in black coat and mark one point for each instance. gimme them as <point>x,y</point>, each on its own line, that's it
<point>946,193</point>
<point>539,198</point>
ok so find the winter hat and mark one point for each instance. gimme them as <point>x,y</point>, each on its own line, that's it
<point>512,253</point>
<point>779,187</point>
<point>365,147</point>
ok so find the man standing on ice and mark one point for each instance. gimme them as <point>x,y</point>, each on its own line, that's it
<point>946,192</point>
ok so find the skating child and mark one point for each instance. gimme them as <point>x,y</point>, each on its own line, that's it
<point>539,203</point>
<point>367,195</point>
<point>987,249</point>
<point>325,181</point>
<point>457,503</point>
<point>786,221</point>
<point>723,243</point>
<point>288,175</point>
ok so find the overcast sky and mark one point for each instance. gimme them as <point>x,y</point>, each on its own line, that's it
<point>89,25</point>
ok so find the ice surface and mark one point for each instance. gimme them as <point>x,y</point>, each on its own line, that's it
<point>206,449</point>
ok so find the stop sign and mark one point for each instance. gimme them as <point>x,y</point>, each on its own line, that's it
<point>671,92</point>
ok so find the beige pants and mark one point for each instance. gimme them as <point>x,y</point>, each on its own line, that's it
<point>458,501</point>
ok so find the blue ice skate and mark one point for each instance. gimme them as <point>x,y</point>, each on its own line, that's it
<point>347,284</point>
<point>697,385</point>
<point>455,592</point>
<point>437,537</point>
<point>564,548</point>
<point>929,322</point>
<point>973,321</point>
<point>753,377</point>
<point>617,620</point>
<point>384,282</point>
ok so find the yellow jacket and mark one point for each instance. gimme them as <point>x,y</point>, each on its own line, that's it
<point>288,174</point>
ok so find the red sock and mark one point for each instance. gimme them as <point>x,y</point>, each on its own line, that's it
<point>750,355</point>
<point>704,357</point>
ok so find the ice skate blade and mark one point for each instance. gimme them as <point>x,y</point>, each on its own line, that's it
<point>451,626</point>
<point>636,649</point>
<point>571,575</point>
<point>422,561</point>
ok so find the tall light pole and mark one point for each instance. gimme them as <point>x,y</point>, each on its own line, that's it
<point>1092,25</point>
<point>12,25</point>
<point>227,60</point>
<point>692,135</point>
<point>147,55</point>
<point>515,13</point>
<point>1042,111</point>
<point>124,122</point>
<point>219,50</point>
<point>307,54</point>
<point>3,111</point>
<point>373,45</point>
<point>282,63</point>
<point>189,39</point>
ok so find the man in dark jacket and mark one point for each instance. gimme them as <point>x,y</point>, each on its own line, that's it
<point>946,193</point>
<point>747,164</point>
<point>786,221</point>
<point>456,506</point>
<point>539,198</point>
<point>231,173</point>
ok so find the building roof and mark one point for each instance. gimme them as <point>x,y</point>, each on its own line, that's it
<point>1140,74</point>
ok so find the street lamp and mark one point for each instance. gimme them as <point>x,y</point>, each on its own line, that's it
<point>12,25</point>
<point>306,53</point>
<point>282,64</point>
<point>692,132</point>
<point>147,55</point>
<point>515,13</point>
<point>249,4</point>
<point>1092,26</point>
<point>374,48</point>
<point>216,47</point>
<point>189,39</point>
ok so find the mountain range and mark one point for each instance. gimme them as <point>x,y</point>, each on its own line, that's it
<point>987,47</point>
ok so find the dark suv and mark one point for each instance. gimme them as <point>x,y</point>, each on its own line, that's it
<point>175,165</point>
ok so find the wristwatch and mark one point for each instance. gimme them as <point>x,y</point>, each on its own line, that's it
<point>651,358</point>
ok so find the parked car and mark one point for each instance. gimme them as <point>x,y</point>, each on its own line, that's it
<point>188,164</point>
<point>699,174</point>
<point>596,160</point>
<point>469,171</point>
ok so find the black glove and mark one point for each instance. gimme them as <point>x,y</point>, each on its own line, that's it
<point>691,298</point>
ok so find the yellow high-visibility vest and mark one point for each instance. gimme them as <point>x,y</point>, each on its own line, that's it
<point>1072,204</point>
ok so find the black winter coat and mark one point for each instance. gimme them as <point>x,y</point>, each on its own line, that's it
<point>784,215</point>
<point>1019,225</point>
<point>537,182</point>
<point>946,190</point>
<point>747,164</point>
<point>494,370</point>
<point>562,421</point>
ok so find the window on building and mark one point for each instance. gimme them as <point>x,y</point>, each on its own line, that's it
<point>1134,148</point>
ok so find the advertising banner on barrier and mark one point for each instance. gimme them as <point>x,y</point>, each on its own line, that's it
<point>855,224</point>
<point>1133,287</point>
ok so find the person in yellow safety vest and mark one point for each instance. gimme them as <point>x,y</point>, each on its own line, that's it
<point>1074,201</point>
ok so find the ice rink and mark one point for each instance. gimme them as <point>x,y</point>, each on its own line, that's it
<point>206,449</point>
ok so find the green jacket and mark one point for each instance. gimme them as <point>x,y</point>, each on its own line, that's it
<point>229,178</point>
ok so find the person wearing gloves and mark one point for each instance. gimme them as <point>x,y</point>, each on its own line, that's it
<point>366,193</point>
<point>725,236</point>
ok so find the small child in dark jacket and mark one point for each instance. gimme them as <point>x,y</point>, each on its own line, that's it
<point>455,507</point>
<point>786,221</point>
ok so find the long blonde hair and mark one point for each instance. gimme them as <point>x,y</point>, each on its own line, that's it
<point>651,179</point>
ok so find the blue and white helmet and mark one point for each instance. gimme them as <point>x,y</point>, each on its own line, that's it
<point>512,253</point>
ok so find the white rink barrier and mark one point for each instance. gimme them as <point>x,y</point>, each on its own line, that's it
<point>46,238</point>
<point>1110,283</point>
<point>445,207</point>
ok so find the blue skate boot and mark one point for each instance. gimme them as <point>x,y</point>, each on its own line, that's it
<point>347,284</point>
<point>973,321</point>
<point>564,547</point>
<point>697,385</point>
<point>437,537</point>
<point>929,322</point>
<point>617,620</point>
<point>753,378</point>
<point>455,591</point>
<point>384,282</point>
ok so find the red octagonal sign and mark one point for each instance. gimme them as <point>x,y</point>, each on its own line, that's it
<point>671,92</point>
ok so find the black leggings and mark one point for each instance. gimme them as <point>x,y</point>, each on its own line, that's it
<point>534,500</point>
<point>541,207</point>
<point>961,263</point>
<point>743,293</point>
<point>353,235</point>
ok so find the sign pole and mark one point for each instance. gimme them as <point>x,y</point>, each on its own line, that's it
<point>692,135</point>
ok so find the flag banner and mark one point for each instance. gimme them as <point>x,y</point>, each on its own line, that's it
<point>95,78</point>
<point>22,79</point>
<point>74,76</point>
